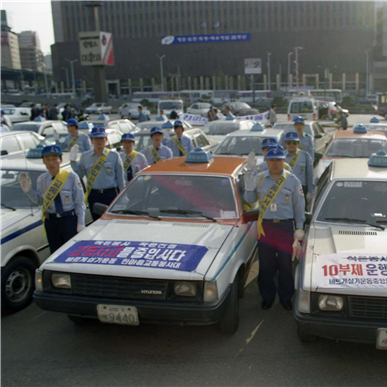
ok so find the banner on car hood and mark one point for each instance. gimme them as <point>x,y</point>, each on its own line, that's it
<point>140,254</point>
<point>261,118</point>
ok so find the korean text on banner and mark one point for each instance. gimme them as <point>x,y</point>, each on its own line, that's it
<point>193,119</point>
<point>262,118</point>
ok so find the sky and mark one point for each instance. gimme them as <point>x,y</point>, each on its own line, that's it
<point>32,15</point>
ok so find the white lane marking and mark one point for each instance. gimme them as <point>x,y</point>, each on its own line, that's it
<point>38,316</point>
<point>254,332</point>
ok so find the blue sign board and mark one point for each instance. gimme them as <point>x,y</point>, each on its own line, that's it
<point>141,254</point>
<point>214,38</point>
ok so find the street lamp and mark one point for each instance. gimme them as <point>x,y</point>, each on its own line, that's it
<point>45,78</point>
<point>367,76</point>
<point>268,69</point>
<point>296,49</point>
<point>72,73</point>
<point>67,77</point>
<point>289,55</point>
<point>161,71</point>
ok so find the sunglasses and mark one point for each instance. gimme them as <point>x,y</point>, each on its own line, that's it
<point>292,142</point>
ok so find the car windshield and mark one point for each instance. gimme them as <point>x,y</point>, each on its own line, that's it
<point>220,127</point>
<point>169,105</point>
<point>377,127</point>
<point>50,140</point>
<point>290,128</point>
<point>177,196</point>
<point>27,127</point>
<point>240,146</point>
<point>355,147</point>
<point>9,111</point>
<point>12,195</point>
<point>149,124</point>
<point>367,202</point>
<point>142,141</point>
<point>241,105</point>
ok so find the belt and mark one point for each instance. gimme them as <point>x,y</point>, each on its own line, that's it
<point>278,220</point>
<point>62,215</point>
<point>106,190</point>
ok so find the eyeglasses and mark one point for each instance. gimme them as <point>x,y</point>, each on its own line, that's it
<point>292,142</point>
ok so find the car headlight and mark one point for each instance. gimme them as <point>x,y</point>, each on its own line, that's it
<point>39,280</point>
<point>210,291</point>
<point>184,288</point>
<point>61,280</point>
<point>330,303</point>
<point>303,301</point>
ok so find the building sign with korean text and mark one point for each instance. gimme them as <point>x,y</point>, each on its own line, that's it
<point>214,38</point>
<point>140,254</point>
<point>253,66</point>
<point>352,271</point>
<point>96,48</point>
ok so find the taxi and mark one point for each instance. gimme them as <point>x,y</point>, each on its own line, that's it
<point>219,128</point>
<point>342,276</point>
<point>173,247</point>
<point>23,243</point>
<point>356,143</point>
<point>375,125</point>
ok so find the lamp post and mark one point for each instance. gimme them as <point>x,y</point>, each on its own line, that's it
<point>161,71</point>
<point>45,78</point>
<point>67,77</point>
<point>72,73</point>
<point>367,76</point>
<point>296,50</point>
<point>289,55</point>
<point>268,69</point>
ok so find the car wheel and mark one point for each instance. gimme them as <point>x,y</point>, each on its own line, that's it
<point>78,320</point>
<point>17,284</point>
<point>229,322</point>
<point>305,337</point>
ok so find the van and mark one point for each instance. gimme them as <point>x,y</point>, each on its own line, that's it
<point>168,104</point>
<point>304,107</point>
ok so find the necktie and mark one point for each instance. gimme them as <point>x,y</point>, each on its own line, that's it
<point>58,202</point>
<point>130,173</point>
<point>180,152</point>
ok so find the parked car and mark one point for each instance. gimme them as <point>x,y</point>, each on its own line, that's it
<point>18,114</point>
<point>304,107</point>
<point>239,109</point>
<point>12,143</point>
<point>199,108</point>
<point>44,128</point>
<point>218,129</point>
<point>99,108</point>
<point>130,110</point>
<point>168,104</point>
<point>30,104</point>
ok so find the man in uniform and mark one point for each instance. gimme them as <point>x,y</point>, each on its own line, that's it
<point>61,195</point>
<point>156,152</point>
<point>132,160</point>
<point>281,204</point>
<point>74,137</point>
<point>180,144</point>
<point>173,115</point>
<point>66,113</point>
<point>301,164</point>
<point>141,116</point>
<point>103,167</point>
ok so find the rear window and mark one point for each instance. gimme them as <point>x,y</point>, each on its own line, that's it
<point>27,127</point>
<point>169,105</point>
<point>301,107</point>
<point>220,128</point>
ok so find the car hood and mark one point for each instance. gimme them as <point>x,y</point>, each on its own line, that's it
<point>334,244</point>
<point>204,238</point>
<point>10,219</point>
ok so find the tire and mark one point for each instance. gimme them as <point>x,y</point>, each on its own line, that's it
<point>17,284</point>
<point>305,337</point>
<point>78,320</point>
<point>229,322</point>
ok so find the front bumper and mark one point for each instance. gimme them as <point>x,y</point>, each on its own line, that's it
<point>164,312</point>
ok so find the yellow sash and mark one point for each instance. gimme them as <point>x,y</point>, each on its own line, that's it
<point>129,160</point>
<point>74,141</point>
<point>155,154</point>
<point>94,173</point>
<point>268,199</point>
<point>294,160</point>
<point>180,146</point>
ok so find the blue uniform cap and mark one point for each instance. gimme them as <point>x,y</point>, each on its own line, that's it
<point>178,123</point>
<point>268,142</point>
<point>167,125</point>
<point>374,120</point>
<point>72,122</point>
<point>275,152</point>
<point>51,150</point>
<point>359,128</point>
<point>2,112</point>
<point>292,136</point>
<point>103,117</point>
<point>276,146</point>
<point>299,120</point>
<point>257,127</point>
<point>155,130</point>
<point>268,107</point>
<point>127,136</point>
<point>78,106</point>
<point>174,107</point>
<point>98,131</point>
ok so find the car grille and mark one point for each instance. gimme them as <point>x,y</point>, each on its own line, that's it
<point>118,287</point>
<point>368,307</point>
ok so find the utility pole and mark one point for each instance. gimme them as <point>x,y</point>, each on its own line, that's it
<point>289,69</point>
<point>296,49</point>
<point>67,77</point>
<point>161,71</point>
<point>268,69</point>
<point>72,73</point>
<point>367,75</point>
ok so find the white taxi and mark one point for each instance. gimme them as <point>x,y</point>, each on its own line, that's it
<point>342,276</point>
<point>174,247</point>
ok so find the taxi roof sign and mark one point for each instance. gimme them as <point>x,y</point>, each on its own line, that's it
<point>374,120</point>
<point>35,153</point>
<point>257,127</point>
<point>359,129</point>
<point>167,125</point>
<point>198,155</point>
<point>378,159</point>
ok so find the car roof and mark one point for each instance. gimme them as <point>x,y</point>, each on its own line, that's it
<point>21,162</point>
<point>14,132</point>
<point>349,134</point>
<point>38,122</point>
<point>265,133</point>
<point>219,166</point>
<point>357,169</point>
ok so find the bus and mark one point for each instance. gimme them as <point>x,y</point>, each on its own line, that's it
<point>154,96</point>
<point>326,95</point>
<point>260,96</point>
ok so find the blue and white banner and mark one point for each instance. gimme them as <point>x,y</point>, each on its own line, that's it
<point>214,38</point>
<point>193,119</point>
<point>262,118</point>
<point>140,254</point>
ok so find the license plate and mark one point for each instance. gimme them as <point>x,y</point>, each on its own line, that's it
<point>118,314</point>
<point>381,338</point>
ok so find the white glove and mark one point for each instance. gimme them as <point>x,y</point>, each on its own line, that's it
<point>309,197</point>
<point>80,227</point>
<point>56,136</point>
<point>74,152</point>
<point>251,163</point>
<point>296,249</point>
<point>299,235</point>
<point>250,183</point>
<point>25,182</point>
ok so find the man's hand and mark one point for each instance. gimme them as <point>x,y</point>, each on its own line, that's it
<point>299,235</point>
<point>251,163</point>
<point>74,152</point>
<point>25,182</point>
<point>80,227</point>
<point>250,183</point>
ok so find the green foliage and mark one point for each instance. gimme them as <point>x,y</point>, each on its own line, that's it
<point>348,101</point>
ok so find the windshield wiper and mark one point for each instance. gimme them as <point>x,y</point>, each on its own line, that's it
<point>351,220</point>
<point>132,212</point>
<point>8,207</point>
<point>188,212</point>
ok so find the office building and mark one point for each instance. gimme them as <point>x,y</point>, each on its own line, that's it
<point>10,55</point>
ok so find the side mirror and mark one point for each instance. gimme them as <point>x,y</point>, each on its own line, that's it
<point>4,152</point>
<point>318,136</point>
<point>99,208</point>
<point>250,216</point>
<point>308,218</point>
<point>317,157</point>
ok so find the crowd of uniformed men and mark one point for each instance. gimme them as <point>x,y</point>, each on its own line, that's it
<point>280,185</point>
